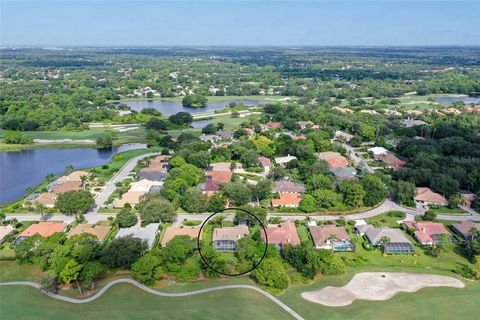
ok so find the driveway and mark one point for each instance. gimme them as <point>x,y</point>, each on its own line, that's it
<point>103,195</point>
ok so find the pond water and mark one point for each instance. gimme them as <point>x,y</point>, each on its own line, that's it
<point>199,124</point>
<point>28,168</point>
<point>466,100</point>
<point>168,108</point>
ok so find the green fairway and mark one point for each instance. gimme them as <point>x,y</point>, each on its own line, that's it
<point>127,302</point>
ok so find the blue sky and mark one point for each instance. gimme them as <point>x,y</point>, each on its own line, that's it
<point>228,22</point>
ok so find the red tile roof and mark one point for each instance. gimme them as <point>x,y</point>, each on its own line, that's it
<point>67,186</point>
<point>392,161</point>
<point>171,232</point>
<point>219,176</point>
<point>426,229</point>
<point>44,229</point>
<point>333,159</point>
<point>265,161</point>
<point>283,234</point>
<point>287,199</point>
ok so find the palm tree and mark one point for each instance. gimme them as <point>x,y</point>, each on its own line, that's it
<point>40,208</point>
<point>69,169</point>
<point>14,222</point>
<point>84,180</point>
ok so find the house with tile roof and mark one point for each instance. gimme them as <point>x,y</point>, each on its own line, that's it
<point>265,162</point>
<point>333,159</point>
<point>5,231</point>
<point>344,173</point>
<point>131,197</point>
<point>172,232</point>
<point>66,187</point>
<point>290,200</point>
<point>428,233</point>
<point>281,235</point>
<point>392,162</point>
<point>44,229</point>
<point>74,176</point>
<point>47,199</point>
<point>427,196</point>
<point>465,228</point>
<point>331,237</point>
<point>225,239</point>
<point>220,166</point>
<point>218,176</point>
<point>392,241</point>
<point>210,188</point>
<point>99,231</point>
<point>285,186</point>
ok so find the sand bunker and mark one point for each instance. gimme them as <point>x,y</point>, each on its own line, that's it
<point>63,141</point>
<point>378,286</point>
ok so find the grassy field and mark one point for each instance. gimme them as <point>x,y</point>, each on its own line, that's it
<point>123,301</point>
<point>137,135</point>
<point>127,302</point>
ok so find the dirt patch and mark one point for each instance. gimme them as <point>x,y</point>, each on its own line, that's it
<point>378,286</point>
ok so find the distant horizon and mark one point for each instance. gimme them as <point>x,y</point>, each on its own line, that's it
<point>229,23</point>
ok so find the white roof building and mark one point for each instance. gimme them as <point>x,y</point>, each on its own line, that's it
<point>284,160</point>
<point>378,151</point>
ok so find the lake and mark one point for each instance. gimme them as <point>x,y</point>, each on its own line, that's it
<point>466,100</point>
<point>168,108</point>
<point>28,168</point>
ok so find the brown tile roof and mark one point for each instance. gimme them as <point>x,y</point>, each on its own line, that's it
<point>67,186</point>
<point>211,186</point>
<point>288,187</point>
<point>219,176</point>
<point>392,161</point>
<point>230,233</point>
<point>266,162</point>
<point>427,195</point>
<point>74,176</point>
<point>171,232</point>
<point>284,233</point>
<point>130,197</point>
<point>220,167</point>
<point>465,226</point>
<point>287,199</point>
<point>99,231</point>
<point>333,159</point>
<point>48,199</point>
<point>44,229</point>
<point>321,234</point>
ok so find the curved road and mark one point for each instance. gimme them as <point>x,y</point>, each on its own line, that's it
<point>155,292</point>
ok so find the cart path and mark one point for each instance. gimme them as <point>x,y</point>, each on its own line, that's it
<point>153,291</point>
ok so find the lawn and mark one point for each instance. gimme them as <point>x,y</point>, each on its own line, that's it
<point>449,211</point>
<point>386,219</point>
<point>127,302</point>
<point>11,271</point>
<point>303,233</point>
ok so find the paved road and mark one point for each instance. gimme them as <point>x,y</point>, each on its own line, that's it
<point>103,196</point>
<point>155,292</point>
<point>362,164</point>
